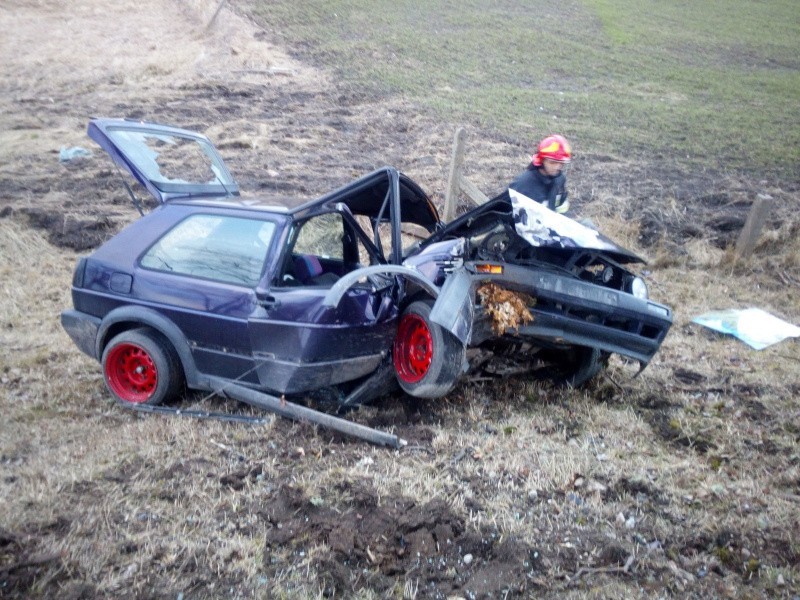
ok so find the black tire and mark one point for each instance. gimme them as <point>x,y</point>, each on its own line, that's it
<point>581,364</point>
<point>140,367</point>
<point>428,359</point>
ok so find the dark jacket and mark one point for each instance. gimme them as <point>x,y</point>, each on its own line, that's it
<point>542,188</point>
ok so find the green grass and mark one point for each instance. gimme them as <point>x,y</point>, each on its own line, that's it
<point>679,80</point>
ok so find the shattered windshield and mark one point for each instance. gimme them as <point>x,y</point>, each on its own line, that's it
<point>167,158</point>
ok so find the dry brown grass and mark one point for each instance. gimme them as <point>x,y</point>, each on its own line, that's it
<point>691,466</point>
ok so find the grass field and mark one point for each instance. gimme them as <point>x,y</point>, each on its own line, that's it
<point>679,81</point>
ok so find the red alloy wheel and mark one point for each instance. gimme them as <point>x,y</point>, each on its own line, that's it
<point>413,348</point>
<point>131,373</point>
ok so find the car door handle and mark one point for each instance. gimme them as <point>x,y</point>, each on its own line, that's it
<point>268,302</point>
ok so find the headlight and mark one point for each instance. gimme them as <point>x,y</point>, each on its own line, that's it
<point>639,288</point>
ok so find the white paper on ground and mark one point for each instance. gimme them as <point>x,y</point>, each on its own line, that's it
<point>755,327</point>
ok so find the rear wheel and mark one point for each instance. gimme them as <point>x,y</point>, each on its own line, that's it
<point>140,367</point>
<point>428,359</point>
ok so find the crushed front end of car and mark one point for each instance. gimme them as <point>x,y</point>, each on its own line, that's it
<point>582,303</point>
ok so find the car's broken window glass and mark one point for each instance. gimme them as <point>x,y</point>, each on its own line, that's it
<point>325,247</point>
<point>321,236</point>
<point>379,233</point>
<point>170,158</point>
<point>227,249</point>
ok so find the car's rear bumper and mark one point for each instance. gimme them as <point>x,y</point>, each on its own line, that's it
<point>82,328</point>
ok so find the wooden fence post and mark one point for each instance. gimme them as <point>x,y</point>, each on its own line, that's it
<point>752,227</point>
<point>457,183</point>
<point>216,14</point>
<point>454,181</point>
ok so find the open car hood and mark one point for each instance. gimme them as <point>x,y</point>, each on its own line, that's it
<point>537,225</point>
<point>542,227</point>
<point>169,162</point>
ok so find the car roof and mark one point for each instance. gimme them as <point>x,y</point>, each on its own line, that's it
<point>363,196</point>
<point>235,203</point>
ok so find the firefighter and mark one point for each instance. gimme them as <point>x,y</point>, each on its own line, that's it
<point>544,180</point>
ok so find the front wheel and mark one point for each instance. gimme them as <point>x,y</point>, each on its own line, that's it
<point>428,359</point>
<point>140,367</point>
<point>578,366</point>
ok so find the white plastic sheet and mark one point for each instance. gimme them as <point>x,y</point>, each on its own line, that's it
<point>755,327</point>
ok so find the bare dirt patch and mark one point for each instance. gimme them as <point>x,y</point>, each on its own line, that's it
<point>393,542</point>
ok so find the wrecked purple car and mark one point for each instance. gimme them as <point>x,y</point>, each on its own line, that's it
<point>335,298</point>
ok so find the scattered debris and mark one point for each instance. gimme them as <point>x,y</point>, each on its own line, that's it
<point>590,571</point>
<point>755,327</point>
<point>69,154</point>
<point>507,308</point>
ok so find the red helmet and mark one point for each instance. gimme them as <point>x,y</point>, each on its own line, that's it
<point>554,147</point>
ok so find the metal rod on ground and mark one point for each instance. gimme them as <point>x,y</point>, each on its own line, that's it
<point>301,413</point>
<point>197,414</point>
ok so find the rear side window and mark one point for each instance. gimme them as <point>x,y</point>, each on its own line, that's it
<point>226,249</point>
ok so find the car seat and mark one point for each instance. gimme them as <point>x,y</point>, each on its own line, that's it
<point>309,271</point>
